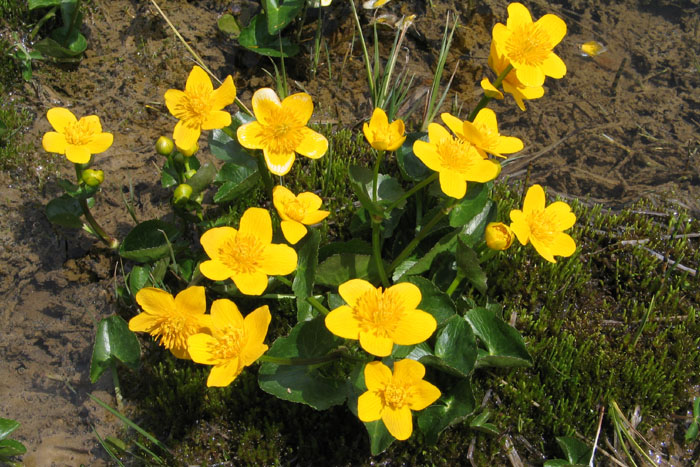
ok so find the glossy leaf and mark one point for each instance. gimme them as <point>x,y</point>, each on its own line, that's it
<point>138,279</point>
<point>114,342</point>
<point>577,453</point>
<point>471,205</point>
<point>345,266</point>
<point>65,211</point>
<point>452,407</point>
<point>455,345</point>
<point>32,4</point>
<point>256,38</point>
<point>147,241</point>
<point>7,426</point>
<point>468,265</point>
<point>228,25</point>
<point>306,273</point>
<point>473,231</point>
<point>410,166</point>
<point>11,448</point>
<point>279,16</point>
<point>504,345</point>
<point>434,301</point>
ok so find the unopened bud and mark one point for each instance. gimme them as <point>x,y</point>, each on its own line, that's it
<point>164,146</point>
<point>498,236</point>
<point>189,152</point>
<point>182,193</point>
<point>92,177</point>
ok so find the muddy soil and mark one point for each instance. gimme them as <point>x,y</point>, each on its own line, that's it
<point>620,126</point>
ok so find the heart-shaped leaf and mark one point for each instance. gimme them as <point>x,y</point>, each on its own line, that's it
<point>114,342</point>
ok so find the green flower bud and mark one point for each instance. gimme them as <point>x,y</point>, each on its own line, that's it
<point>182,193</point>
<point>164,146</point>
<point>178,158</point>
<point>189,152</point>
<point>189,174</point>
<point>92,177</point>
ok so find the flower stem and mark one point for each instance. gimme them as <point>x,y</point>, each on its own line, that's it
<point>111,242</point>
<point>415,188</point>
<point>485,99</point>
<point>265,174</point>
<point>377,252</point>
<point>318,305</point>
<point>380,156</point>
<point>455,283</point>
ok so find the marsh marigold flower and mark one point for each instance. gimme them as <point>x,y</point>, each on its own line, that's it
<point>511,84</point>
<point>544,226</point>
<point>77,139</point>
<point>392,396</point>
<point>380,319</point>
<point>172,320</point>
<point>498,236</point>
<point>199,107</point>
<point>297,212</point>
<point>234,343</point>
<point>383,136</point>
<point>247,255</point>
<point>528,46</point>
<point>457,161</point>
<point>483,134</point>
<point>280,130</point>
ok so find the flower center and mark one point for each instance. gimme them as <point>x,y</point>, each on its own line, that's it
<point>379,312</point>
<point>174,330</point>
<point>231,343</point>
<point>295,209</point>
<point>455,155</point>
<point>79,133</point>
<point>195,108</point>
<point>284,134</point>
<point>528,45</point>
<point>395,396</point>
<point>242,254</point>
<point>542,226</point>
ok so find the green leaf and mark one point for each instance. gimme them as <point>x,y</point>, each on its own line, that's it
<point>505,346</point>
<point>228,25</point>
<point>227,149</point>
<point>468,265</point>
<point>456,345</point>
<point>70,50</point>
<point>11,448</point>
<point>32,4</point>
<point>360,178</point>
<point>471,205</point>
<point>303,284</point>
<point>138,279</point>
<point>168,175</point>
<point>301,383</point>
<point>7,426</point>
<point>576,452</point>
<point>434,301</point>
<point>237,180</point>
<point>113,342</point>
<point>202,179</point>
<point>692,432</point>
<point>480,423</point>
<point>77,191</point>
<point>65,211</point>
<point>345,266</point>
<point>473,231</point>
<point>279,16</point>
<point>355,246</point>
<point>147,241</point>
<point>452,407</point>
<point>445,244</point>
<point>255,37</point>
<point>410,166</point>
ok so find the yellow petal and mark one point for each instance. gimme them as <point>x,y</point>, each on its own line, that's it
<point>279,163</point>
<point>314,217</point>
<point>423,395</point>
<point>379,119</point>
<point>472,134</point>
<point>408,372</point>
<point>214,239</point>
<point>484,171</point>
<point>377,376</point>
<point>300,105</point>
<point>197,82</point>
<point>191,300</point>
<point>543,249</point>
<point>555,27</point>
<point>199,347</point>
<point>437,133</point>
<point>453,123</point>
<point>520,227</point>
<point>369,407</point>
<point>487,118</point>
<point>185,135</point>
<point>60,118</point>
<point>310,200</point>
<point>354,289</point>
<point>281,195</point>
<point>376,345</point>
<point>99,143</point>
<point>223,375</point>
<point>427,153</point>
<point>414,327</point>
<point>224,95</point>
<point>77,154</point>
<point>144,322</point>
<point>175,101</point>
<point>490,90</point>
<point>534,199</point>
<point>249,135</point>
<point>342,322</point>
<point>155,301</point>
<point>181,353</point>
<point>554,66</point>
<point>278,260</point>
<point>399,422</point>
<point>313,145</point>
<point>561,214</point>
<point>252,352</point>
<point>508,145</point>
<point>409,293</point>
<point>216,119</point>
<point>256,324</point>
<point>293,231</point>
<point>534,92</point>
<point>563,245</point>
<point>453,184</point>
<point>518,15</point>
<point>266,105</point>
<point>530,75</point>
<point>215,270</point>
<point>253,283</point>
<point>500,35</point>
<point>54,142</point>
<point>224,313</point>
<point>257,223</point>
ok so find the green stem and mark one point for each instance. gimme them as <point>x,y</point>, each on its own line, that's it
<point>415,188</point>
<point>117,388</point>
<point>421,235</point>
<point>318,305</point>
<point>455,283</point>
<point>111,242</point>
<point>285,281</point>
<point>265,174</point>
<point>485,99</point>
<point>377,252</point>
<point>380,156</point>
<point>370,77</point>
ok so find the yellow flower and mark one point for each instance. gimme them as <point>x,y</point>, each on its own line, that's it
<point>234,342</point>
<point>281,131</point>
<point>246,255</point>
<point>392,396</point>
<point>296,212</point>
<point>383,136</point>
<point>77,139</point>
<point>544,226</point>
<point>511,84</point>
<point>199,107</point>
<point>173,319</point>
<point>528,46</point>
<point>374,4</point>
<point>498,236</point>
<point>457,161</point>
<point>483,134</point>
<point>380,319</point>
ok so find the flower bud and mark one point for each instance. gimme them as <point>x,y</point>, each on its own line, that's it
<point>164,146</point>
<point>182,193</point>
<point>92,177</point>
<point>189,152</point>
<point>498,236</point>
